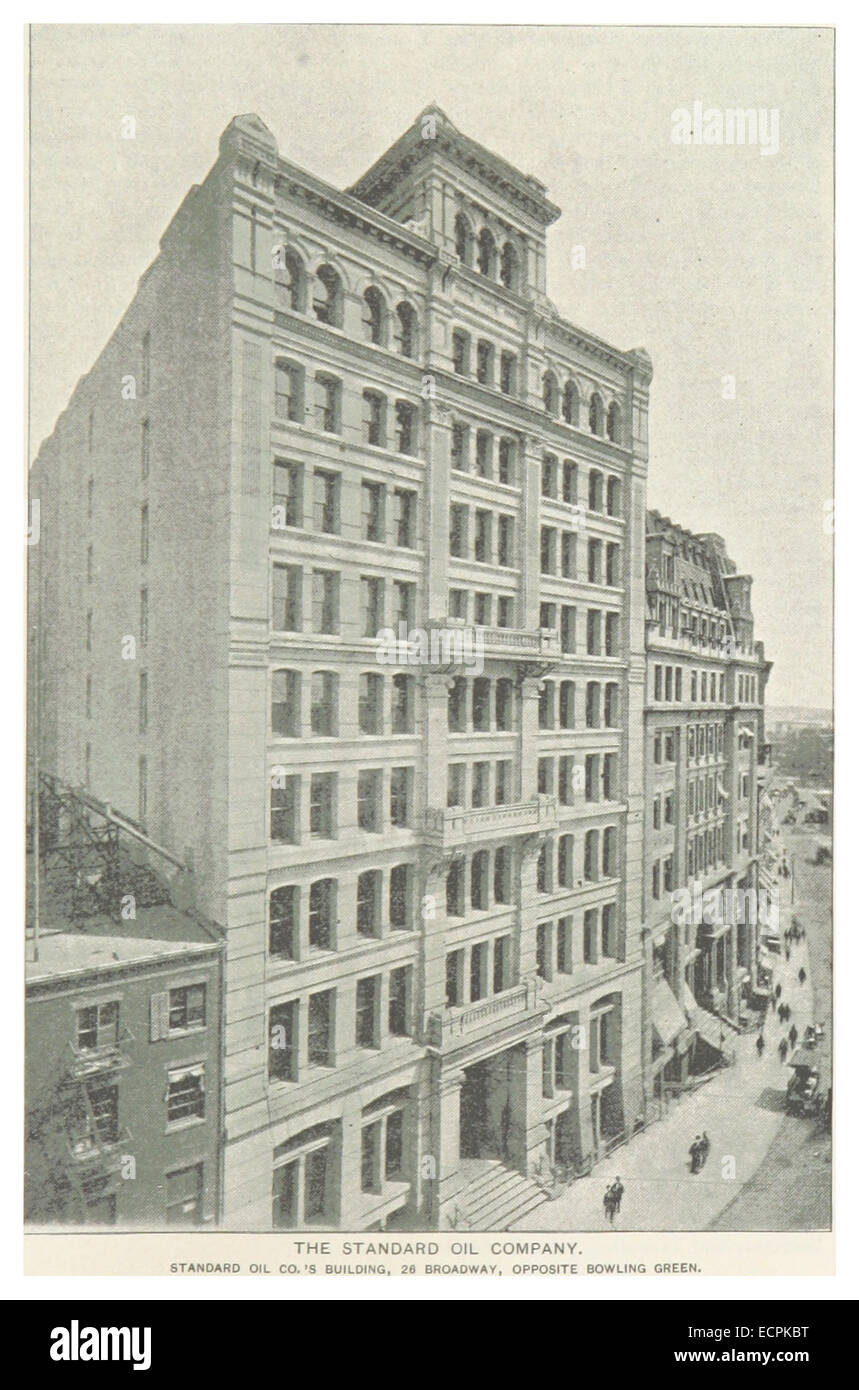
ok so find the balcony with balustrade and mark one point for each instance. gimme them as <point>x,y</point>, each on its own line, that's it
<point>451,826</point>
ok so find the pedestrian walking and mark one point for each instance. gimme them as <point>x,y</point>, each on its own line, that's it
<point>760,1044</point>
<point>608,1204</point>
<point>617,1191</point>
<point>772,1002</point>
<point>801,976</point>
<point>787,1013</point>
<point>695,1154</point>
<point>793,1035</point>
<point>705,1147</point>
<point>782,1051</point>
<point>787,952</point>
<point>778,991</point>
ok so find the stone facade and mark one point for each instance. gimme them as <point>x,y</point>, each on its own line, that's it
<point>704,740</point>
<point>323,415</point>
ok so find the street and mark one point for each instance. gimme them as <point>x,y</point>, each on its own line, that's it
<point>766,1170</point>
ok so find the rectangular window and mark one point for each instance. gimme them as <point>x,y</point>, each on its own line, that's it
<point>483,537</point>
<point>288,392</point>
<point>373,512</point>
<point>186,1094</point>
<point>328,404</point>
<point>185,1196</point>
<point>369,914</point>
<point>323,703</point>
<point>286,598</point>
<point>320,1028</point>
<point>400,898</point>
<point>326,501</point>
<point>374,419</point>
<point>507,380</point>
<point>367,994</point>
<point>568,555</point>
<point>403,704</point>
<point>459,342</point>
<point>548,549</point>
<point>98,1026</point>
<point>456,784</point>
<point>187,1007</point>
<point>405,517</point>
<point>283,922</point>
<point>458,530</point>
<point>483,454</point>
<point>284,809</point>
<point>404,604</point>
<point>370,703</point>
<point>399,1002</point>
<point>406,424</point>
<point>288,494</point>
<point>571,482</point>
<point>459,448</point>
<point>505,541</point>
<point>326,601</point>
<point>568,628</point>
<point>372,605</point>
<point>401,795</point>
<point>322,914</point>
<point>370,800</point>
<point>502,874</point>
<point>485,363</point>
<point>323,793</point>
<point>506,462</point>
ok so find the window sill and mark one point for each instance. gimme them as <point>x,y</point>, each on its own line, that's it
<point>175,1126</point>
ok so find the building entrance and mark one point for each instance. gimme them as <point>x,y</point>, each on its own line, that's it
<point>486,1108</point>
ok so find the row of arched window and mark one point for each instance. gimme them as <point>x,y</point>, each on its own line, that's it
<point>322,295</point>
<point>567,404</point>
<point>481,253</point>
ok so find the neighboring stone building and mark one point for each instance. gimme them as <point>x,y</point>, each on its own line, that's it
<point>325,414</point>
<point>706,679</point>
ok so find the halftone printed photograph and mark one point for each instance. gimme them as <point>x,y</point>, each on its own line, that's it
<point>430,721</point>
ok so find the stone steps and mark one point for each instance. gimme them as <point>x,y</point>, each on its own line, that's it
<point>497,1197</point>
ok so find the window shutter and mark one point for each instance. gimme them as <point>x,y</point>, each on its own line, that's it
<point>159,1016</point>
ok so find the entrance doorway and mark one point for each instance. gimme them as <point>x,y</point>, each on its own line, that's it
<point>486,1108</point>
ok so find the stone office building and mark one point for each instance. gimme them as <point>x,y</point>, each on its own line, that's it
<point>326,414</point>
<point>706,680</point>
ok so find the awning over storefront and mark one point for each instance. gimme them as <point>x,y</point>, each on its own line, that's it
<point>668,1017</point>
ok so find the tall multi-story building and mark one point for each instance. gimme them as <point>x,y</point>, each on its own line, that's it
<point>326,414</point>
<point>704,735</point>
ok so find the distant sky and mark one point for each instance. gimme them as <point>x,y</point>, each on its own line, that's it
<point>715,258</point>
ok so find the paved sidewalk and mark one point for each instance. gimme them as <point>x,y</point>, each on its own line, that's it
<point>741,1109</point>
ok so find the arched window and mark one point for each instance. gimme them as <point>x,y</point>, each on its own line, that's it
<point>509,266</point>
<point>550,393</point>
<point>570,409</point>
<point>486,254</point>
<point>328,296</point>
<point>290,279</point>
<point>462,238</point>
<point>373,316</point>
<point>406,330</point>
<point>614,422</point>
<point>596,415</point>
